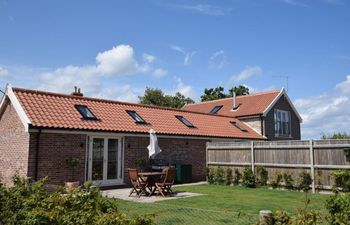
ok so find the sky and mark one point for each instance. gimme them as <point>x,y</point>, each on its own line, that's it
<point>115,49</point>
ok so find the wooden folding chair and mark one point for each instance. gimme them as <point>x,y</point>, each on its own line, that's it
<point>166,184</point>
<point>137,184</point>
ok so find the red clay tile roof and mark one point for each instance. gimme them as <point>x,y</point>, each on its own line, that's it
<point>254,104</point>
<point>51,110</point>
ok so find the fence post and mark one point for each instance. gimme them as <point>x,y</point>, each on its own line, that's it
<point>252,156</point>
<point>312,165</point>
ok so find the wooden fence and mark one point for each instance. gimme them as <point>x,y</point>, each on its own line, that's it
<point>319,157</point>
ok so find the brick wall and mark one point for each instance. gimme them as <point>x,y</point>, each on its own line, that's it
<point>54,151</point>
<point>14,142</point>
<point>175,150</point>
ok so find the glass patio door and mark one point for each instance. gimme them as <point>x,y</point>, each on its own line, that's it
<point>105,160</point>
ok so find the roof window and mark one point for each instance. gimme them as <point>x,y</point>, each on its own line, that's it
<point>135,116</point>
<point>85,112</point>
<point>216,109</point>
<point>238,126</point>
<point>185,121</point>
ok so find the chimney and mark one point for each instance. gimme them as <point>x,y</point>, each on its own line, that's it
<point>234,101</point>
<point>77,92</point>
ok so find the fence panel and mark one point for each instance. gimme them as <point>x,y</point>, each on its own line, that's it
<point>319,157</point>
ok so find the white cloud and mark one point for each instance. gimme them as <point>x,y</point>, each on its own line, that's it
<point>123,93</point>
<point>159,72</point>
<point>184,89</point>
<point>187,55</point>
<point>344,86</point>
<point>327,113</point>
<point>148,58</point>
<point>295,3</point>
<point>206,9</point>
<point>247,73</point>
<point>117,61</point>
<point>4,72</point>
<point>217,59</point>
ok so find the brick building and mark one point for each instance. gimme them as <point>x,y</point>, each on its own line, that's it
<point>40,130</point>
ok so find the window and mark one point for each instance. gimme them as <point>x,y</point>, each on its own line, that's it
<point>85,112</point>
<point>135,116</point>
<point>216,109</point>
<point>282,123</point>
<point>238,126</point>
<point>184,121</point>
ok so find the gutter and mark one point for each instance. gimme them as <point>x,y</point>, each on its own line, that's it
<point>37,147</point>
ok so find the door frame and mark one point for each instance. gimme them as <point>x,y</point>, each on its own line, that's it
<point>120,175</point>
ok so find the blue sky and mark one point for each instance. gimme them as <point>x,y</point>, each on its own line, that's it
<point>114,49</point>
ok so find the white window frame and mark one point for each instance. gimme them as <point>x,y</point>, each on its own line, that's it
<point>285,118</point>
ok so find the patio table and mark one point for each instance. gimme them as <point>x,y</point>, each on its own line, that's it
<point>152,178</point>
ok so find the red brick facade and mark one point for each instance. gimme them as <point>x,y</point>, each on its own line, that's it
<point>54,150</point>
<point>175,150</point>
<point>18,152</point>
<point>14,145</point>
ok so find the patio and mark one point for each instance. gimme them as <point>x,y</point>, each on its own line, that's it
<point>123,194</point>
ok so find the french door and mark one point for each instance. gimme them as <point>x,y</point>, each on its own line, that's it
<point>105,165</point>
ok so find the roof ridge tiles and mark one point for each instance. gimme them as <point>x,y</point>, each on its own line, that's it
<point>240,96</point>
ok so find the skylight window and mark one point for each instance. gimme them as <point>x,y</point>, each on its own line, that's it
<point>185,121</point>
<point>238,126</point>
<point>216,109</point>
<point>85,112</point>
<point>136,117</point>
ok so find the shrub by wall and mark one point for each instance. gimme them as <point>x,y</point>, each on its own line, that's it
<point>31,204</point>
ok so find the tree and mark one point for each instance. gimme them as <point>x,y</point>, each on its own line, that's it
<point>155,96</point>
<point>240,90</point>
<point>213,94</point>
<point>218,93</point>
<point>336,135</point>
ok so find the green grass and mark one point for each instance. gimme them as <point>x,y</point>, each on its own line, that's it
<point>222,205</point>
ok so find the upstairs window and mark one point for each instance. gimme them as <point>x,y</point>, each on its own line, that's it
<point>135,116</point>
<point>85,112</point>
<point>184,121</point>
<point>282,123</point>
<point>216,109</point>
<point>238,126</point>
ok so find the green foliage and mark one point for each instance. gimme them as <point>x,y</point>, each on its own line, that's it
<point>263,176</point>
<point>219,176</point>
<point>210,175</point>
<point>155,96</point>
<point>338,207</point>
<point>276,182</point>
<point>229,176</point>
<point>237,177</point>
<point>304,216</point>
<point>248,178</point>
<point>219,93</point>
<point>288,181</point>
<point>304,181</point>
<point>141,161</point>
<point>338,135</point>
<point>73,162</point>
<point>239,90</point>
<point>342,180</point>
<point>31,204</point>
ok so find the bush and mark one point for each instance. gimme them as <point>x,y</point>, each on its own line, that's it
<point>276,182</point>
<point>237,177</point>
<point>263,176</point>
<point>304,181</point>
<point>288,181</point>
<point>219,176</point>
<point>248,178</point>
<point>342,180</point>
<point>338,208</point>
<point>30,204</point>
<point>210,175</point>
<point>229,176</point>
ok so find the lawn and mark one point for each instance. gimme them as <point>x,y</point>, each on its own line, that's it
<point>222,205</point>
